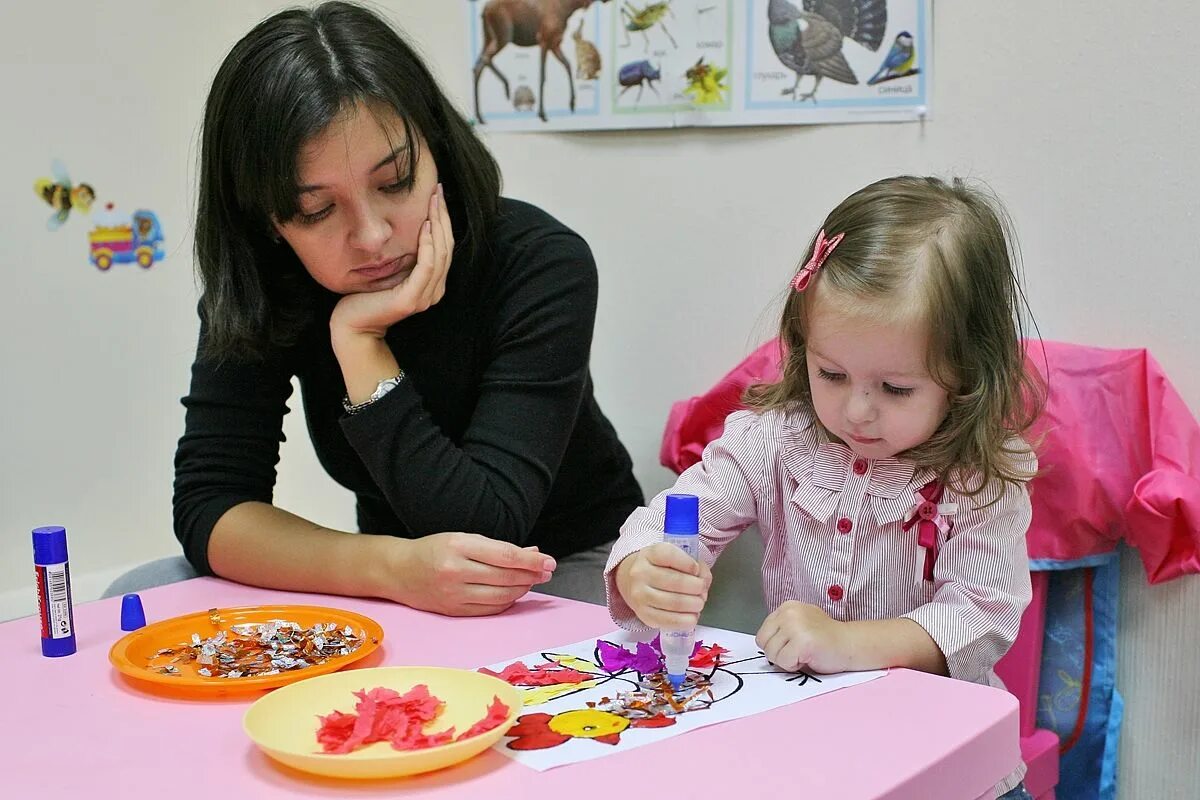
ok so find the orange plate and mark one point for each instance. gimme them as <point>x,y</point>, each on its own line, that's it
<point>133,652</point>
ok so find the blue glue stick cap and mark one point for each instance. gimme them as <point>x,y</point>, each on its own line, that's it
<point>132,614</point>
<point>683,514</point>
<point>50,545</point>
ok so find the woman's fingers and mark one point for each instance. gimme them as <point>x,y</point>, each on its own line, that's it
<point>443,246</point>
<point>447,229</point>
<point>505,555</point>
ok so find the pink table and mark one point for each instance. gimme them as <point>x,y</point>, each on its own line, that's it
<point>76,728</point>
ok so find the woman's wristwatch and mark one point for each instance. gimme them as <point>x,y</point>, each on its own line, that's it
<point>385,386</point>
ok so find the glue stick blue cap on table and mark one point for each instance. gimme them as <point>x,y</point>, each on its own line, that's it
<point>54,590</point>
<point>133,616</point>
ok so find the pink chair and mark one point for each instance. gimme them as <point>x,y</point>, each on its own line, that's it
<point>1121,447</point>
<point>1020,669</point>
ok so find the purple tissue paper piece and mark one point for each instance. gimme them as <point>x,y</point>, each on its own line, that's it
<point>648,658</point>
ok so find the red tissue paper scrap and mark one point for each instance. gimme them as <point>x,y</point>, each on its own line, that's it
<point>385,715</point>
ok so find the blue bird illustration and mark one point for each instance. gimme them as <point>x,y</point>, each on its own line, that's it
<point>809,42</point>
<point>899,61</point>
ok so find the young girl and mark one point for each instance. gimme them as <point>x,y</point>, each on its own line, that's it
<point>885,469</point>
<point>350,234</point>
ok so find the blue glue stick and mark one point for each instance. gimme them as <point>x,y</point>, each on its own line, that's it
<point>681,528</point>
<point>54,591</point>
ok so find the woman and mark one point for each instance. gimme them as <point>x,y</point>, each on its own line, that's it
<point>350,233</point>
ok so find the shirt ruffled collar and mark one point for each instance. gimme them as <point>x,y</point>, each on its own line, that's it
<point>821,468</point>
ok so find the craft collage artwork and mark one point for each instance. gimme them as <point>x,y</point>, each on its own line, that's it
<point>596,697</point>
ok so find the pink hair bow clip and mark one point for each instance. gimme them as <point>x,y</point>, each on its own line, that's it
<point>821,251</point>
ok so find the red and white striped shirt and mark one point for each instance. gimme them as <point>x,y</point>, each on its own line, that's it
<point>831,525</point>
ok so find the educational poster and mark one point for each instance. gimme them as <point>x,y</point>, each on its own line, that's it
<point>601,696</point>
<point>597,64</point>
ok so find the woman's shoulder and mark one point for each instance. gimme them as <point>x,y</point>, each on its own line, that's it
<point>529,250</point>
<point>520,223</point>
<point>268,356</point>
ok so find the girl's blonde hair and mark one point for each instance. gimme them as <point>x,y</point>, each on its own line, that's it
<point>943,253</point>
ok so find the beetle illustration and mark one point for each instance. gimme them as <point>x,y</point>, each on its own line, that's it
<point>640,74</point>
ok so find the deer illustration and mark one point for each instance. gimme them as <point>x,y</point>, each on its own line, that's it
<point>526,23</point>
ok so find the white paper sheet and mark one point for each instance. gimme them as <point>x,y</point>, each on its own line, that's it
<point>558,726</point>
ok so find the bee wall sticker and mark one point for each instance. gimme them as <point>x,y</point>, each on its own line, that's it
<point>61,195</point>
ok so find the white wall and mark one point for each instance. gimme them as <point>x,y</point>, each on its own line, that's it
<point>1081,117</point>
<point>94,363</point>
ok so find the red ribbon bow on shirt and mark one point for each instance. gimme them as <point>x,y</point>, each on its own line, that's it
<point>821,251</point>
<point>929,520</point>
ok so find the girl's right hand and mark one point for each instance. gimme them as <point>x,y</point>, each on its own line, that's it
<point>664,586</point>
<point>461,574</point>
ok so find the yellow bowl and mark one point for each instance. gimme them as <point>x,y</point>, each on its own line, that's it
<point>284,723</point>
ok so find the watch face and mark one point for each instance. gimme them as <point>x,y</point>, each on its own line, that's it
<point>384,387</point>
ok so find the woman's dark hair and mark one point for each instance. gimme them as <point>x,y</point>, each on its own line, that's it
<point>282,84</point>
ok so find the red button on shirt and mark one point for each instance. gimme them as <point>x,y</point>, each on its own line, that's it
<point>844,525</point>
<point>860,466</point>
<point>927,510</point>
<point>835,593</point>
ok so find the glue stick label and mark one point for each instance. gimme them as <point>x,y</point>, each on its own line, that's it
<point>54,600</point>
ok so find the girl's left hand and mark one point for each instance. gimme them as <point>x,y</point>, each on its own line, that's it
<point>372,313</point>
<point>799,636</point>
